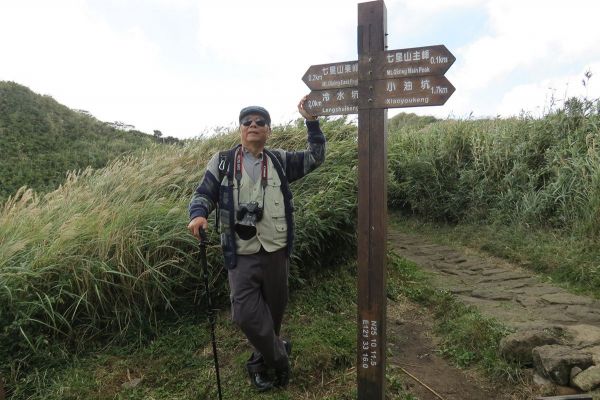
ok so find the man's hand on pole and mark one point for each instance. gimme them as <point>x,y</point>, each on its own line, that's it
<point>302,110</point>
<point>195,225</point>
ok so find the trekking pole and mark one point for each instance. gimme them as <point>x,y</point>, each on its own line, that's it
<point>211,315</point>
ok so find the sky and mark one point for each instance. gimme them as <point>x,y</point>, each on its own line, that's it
<point>186,67</point>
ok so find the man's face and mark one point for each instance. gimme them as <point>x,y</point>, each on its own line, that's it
<point>252,132</point>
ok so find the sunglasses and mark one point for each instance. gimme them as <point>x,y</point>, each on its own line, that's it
<point>259,122</point>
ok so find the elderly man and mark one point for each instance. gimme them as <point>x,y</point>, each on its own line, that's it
<point>250,185</point>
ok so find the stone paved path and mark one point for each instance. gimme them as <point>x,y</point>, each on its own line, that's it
<point>512,295</point>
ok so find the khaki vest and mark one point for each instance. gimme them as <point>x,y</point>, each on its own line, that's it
<point>271,230</point>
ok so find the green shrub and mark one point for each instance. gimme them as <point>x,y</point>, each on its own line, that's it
<point>540,172</point>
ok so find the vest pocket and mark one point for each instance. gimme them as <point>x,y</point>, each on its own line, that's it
<point>280,230</point>
<point>281,227</point>
<point>276,201</point>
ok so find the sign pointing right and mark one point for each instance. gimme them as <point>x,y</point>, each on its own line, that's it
<point>416,61</point>
<point>412,92</point>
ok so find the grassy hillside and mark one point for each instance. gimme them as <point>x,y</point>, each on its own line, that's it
<point>40,140</point>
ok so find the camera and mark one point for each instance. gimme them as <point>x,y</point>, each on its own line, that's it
<point>248,215</point>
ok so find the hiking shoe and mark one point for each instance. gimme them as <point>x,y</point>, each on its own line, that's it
<point>260,380</point>
<point>282,377</point>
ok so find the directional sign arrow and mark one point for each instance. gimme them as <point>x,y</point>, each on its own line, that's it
<point>412,92</point>
<point>401,63</point>
<point>332,76</point>
<point>387,93</point>
<point>333,102</point>
<point>416,61</point>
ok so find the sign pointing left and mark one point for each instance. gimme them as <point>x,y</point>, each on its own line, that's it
<point>332,76</point>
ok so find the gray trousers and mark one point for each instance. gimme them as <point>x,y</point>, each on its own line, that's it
<point>259,296</point>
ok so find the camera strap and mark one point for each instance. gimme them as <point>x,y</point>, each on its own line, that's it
<point>264,172</point>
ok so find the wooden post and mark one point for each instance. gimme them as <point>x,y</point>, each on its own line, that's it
<point>379,80</point>
<point>372,207</point>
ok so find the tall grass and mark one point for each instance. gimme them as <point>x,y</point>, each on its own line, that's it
<point>108,253</point>
<point>538,172</point>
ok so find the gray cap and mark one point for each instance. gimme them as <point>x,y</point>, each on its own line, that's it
<point>255,110</point>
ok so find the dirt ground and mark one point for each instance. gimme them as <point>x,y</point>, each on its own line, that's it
<point>512,295</point>
<point>426,375</point>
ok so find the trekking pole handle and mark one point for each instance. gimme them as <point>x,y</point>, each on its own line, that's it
<point>203,236</point>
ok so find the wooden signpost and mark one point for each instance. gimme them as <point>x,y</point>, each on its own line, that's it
<point>378,80</point>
